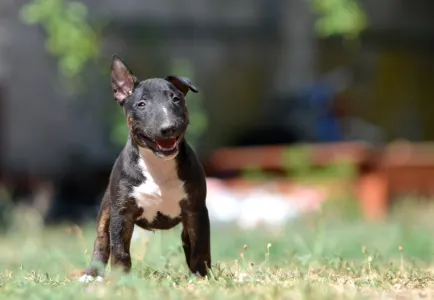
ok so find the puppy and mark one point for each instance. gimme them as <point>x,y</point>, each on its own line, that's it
<point>157,182</point>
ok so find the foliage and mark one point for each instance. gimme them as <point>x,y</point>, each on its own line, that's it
<point>119,129</point>
<point>69,35</point>
<point>71,38</point>
<point>339,17</point>
<point>298,165</point>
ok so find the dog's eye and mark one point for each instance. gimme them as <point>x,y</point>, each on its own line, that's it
<point>141,104</point>
<point>176,99</point>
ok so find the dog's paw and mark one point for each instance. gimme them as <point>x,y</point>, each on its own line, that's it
<point>89,278</point>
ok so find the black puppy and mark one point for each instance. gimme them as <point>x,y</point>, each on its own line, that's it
<point>157,181</point>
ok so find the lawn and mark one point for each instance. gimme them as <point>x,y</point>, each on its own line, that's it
<point>332,254</point>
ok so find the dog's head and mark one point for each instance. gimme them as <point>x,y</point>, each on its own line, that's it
<point>156,111</point>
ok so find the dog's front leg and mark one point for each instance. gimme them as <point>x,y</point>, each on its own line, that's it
<point>121,231</point>
<point>101,247</point>
<point>186,245</point>
<point>196,240</point>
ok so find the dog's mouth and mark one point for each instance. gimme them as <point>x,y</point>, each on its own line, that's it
<point>162,147</point>
<point>167,144</point>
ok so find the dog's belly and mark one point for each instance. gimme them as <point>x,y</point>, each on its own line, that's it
<point>160,222</point>
<point>159,199</point>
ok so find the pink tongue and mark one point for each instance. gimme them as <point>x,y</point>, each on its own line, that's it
<point>168,144</point>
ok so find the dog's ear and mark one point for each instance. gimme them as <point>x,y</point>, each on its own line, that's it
<point>122,79</point>
<point>181,83</point>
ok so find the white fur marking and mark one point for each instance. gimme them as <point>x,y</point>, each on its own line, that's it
<point>162,191</point>
<point>166,113</point>
<point>88,278</point>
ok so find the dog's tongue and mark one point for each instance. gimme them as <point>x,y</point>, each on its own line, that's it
<point>167,144</point>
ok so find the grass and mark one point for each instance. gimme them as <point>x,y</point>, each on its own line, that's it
<point>333,254</point>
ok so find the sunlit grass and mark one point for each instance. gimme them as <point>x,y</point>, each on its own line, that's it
<point>327,255</point>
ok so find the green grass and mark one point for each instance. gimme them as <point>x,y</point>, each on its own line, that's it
<point>328,255</point>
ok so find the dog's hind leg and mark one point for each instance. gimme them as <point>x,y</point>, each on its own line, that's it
<point>101,248</point>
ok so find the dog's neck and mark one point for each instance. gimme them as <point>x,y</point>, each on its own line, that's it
<point>159,168</point>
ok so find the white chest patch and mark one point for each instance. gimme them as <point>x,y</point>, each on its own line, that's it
<point>162,191</point>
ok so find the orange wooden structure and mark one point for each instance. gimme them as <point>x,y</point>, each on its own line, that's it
<point>381,173</point>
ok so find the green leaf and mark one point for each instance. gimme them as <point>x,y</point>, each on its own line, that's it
<point>69,36</point>
<point>339,17</point>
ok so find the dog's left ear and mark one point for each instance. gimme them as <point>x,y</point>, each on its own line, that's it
<point>181,83</point>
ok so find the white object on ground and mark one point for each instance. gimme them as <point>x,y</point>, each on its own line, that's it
<point>261,207</point>
<point>221,202</point>
<point>250,208</point>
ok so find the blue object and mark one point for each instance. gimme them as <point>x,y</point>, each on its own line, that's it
<point>319,98</point>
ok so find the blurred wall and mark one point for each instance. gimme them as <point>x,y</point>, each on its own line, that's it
<point>394,68</point>
<point>42,125</point>
<point>243,52</point>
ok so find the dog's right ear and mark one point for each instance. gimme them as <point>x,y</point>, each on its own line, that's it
<point>122,79</point>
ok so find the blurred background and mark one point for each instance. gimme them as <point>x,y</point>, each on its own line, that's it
<point>301,103</point>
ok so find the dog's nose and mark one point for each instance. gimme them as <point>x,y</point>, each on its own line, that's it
<point>168,130</point>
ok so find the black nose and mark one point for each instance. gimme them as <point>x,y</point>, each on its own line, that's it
<point>168,130</point>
